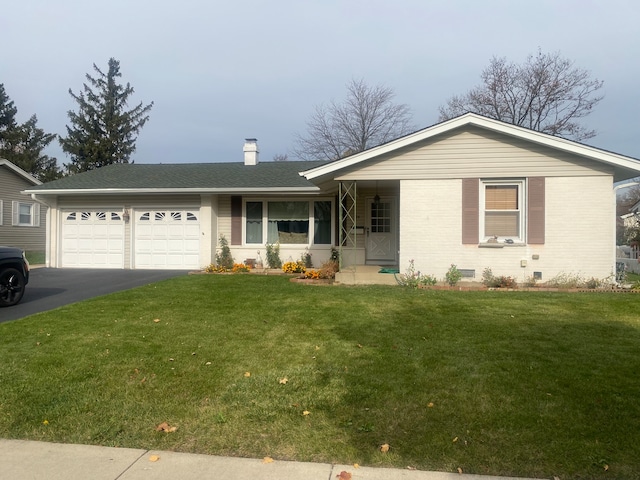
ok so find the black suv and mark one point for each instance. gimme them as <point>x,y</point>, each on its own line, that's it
<point>14,275</point>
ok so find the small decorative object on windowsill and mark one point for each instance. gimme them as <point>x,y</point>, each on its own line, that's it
<point>492,243</point>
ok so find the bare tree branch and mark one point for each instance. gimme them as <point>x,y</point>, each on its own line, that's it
<point>366,118</point>
<point>546,93</point>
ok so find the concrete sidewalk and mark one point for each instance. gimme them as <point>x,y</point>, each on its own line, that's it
<point>22,460</point>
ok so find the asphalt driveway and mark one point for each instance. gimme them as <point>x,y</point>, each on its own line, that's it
<point>51,288</point>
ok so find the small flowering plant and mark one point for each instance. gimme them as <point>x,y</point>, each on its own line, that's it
<point>240,268</point>
<point>236,268</point>
<point>294,267</point>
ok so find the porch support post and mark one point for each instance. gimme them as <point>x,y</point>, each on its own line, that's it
<point>347,219</point>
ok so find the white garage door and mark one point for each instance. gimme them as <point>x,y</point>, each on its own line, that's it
<point>93,239</point>
<point>167,239</point>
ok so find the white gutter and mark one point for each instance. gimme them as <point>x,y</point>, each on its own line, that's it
<point>151,191</point>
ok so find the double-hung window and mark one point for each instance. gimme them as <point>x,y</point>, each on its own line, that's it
<point>26,214</point>
<point>502,215</point>
<point>299,222</point>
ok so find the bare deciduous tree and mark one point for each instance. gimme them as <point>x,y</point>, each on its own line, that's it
<point>546,93</point>
<point>366,118</point>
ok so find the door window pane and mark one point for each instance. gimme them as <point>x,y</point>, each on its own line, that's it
<point>381,217</point>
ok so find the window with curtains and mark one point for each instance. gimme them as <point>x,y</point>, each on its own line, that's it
<point>303,222</point>
<point>503,213</point>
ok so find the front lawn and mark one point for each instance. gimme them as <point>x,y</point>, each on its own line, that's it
<point>521,384</point>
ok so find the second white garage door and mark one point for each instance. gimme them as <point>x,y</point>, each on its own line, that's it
<point>167,239</point>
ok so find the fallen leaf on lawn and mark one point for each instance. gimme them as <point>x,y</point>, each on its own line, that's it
<point>317,347</point>
<point>606,467</point>
<point>455,440</point>
<point>355,465</point>
<point>154,458</point>
<point>344,475</point>
<point>359,346</point>
<point>156,320</point>
<point>162,427</point>
<point>384,448</point>
<point>165,427</point>
<point>247,374</point>
<point>430,405</point>
<point>208,363</point>
<point>267,460</point>
<point>306,412</point>
<point>459,470</point>
<point>46,422</point>
<point>283,381</point>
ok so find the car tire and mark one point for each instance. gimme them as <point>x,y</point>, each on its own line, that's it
<point>11,287</point>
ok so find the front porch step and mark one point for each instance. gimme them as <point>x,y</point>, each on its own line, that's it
<point>365,275</point>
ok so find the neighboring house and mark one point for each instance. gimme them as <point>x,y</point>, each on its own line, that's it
<point>21,218</point>
<point>471,191</point>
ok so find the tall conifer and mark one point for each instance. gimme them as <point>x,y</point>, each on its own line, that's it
<point>103,131</point>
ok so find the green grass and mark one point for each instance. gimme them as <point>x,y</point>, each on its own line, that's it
<point>521,384</point>
<point>35,258</point>
<point>632,277</point>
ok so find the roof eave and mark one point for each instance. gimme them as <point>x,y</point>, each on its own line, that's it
<point>152,191</point>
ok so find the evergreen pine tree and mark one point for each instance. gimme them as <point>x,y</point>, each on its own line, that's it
<point>22,144</point>
<point>7,119</point>
<point>103,131</point>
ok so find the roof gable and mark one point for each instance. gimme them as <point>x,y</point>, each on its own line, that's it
<point>623,167</point>
<point>18,171</point>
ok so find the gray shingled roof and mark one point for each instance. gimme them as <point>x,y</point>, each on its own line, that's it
<point>205,176</point>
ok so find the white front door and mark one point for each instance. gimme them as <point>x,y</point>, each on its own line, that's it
<point>381,234</point>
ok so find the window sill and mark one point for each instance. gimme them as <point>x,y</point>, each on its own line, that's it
<point>501,245</point>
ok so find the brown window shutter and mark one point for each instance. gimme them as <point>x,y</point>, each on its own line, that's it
<point>236,220</point>
<point>470,213</point>
<point>535,210</point>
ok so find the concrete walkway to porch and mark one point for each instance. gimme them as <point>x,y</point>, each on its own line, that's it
<point>365,275</point>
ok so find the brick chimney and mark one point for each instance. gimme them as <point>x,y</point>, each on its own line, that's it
<point>250,151</point>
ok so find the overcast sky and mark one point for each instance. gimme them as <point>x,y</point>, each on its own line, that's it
<point>220,72</point>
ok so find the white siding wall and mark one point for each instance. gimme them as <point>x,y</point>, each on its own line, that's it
<point>579,231</point>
